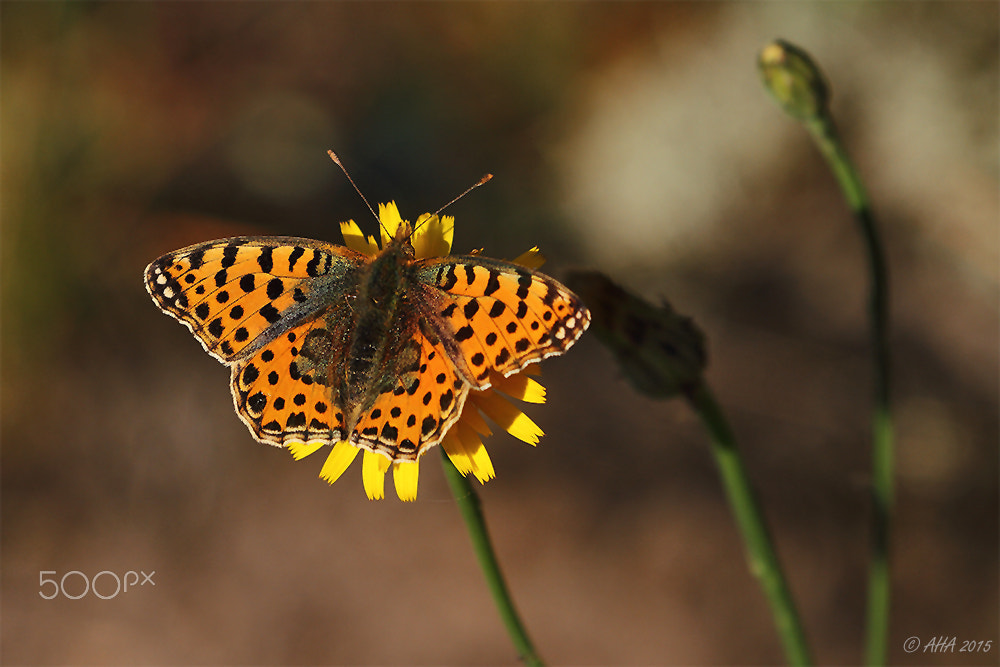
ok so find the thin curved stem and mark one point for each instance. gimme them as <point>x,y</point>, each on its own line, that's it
<point>825,134</point>
<point>472,512</point>
<point>762,558</point>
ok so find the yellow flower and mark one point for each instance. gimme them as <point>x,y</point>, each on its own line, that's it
<point>432,237</point>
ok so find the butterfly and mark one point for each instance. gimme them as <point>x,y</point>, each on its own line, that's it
<point>379,348</point>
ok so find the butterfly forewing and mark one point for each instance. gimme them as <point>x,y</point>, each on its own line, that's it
<point>235,294</point>
<point>498,316</point>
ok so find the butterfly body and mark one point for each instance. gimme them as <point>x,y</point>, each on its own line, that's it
<point>374,317</point>
<point>328,344</point>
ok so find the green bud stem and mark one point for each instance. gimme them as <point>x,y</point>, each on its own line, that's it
<point>825,135</point>
<point>799,87</point>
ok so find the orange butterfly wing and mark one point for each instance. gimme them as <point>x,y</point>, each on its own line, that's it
<point>416,412</point>
<point>238,293</point>
<point>247,300</point>
<point>281,398</point>
<point>498,317</point>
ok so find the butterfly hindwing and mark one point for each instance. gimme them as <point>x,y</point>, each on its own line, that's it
<point>282,391</point>
<point>419,408</point>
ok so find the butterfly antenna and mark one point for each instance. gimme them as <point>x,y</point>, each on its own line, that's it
<point>482,181</point>
<point>333,156</point>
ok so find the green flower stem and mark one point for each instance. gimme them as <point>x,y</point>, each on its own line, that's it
<point>799,87</point>
<point>825,134</point>
<point>763,560</point>
<point>472,513</point>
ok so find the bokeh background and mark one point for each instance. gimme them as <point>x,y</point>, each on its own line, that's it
<point>629,138</point>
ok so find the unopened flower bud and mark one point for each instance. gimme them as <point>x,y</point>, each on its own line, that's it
<point>660,352</point>
<point>794,80</point>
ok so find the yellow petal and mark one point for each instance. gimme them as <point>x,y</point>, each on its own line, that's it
<point>300,450</point>
<point>448,231</point>
<point>507,416</point>
<point>475,421</point>
<point>388,216</point>
<point>356,240</point>
<point>455,450</point>
<point>432,235</point>
<point>467,452</point>
<point>519,386</point>
<point>340,458</point>
<point>482,466</point>
<point>373,469</point>
<point>404,476</point>
<point>530,259</point>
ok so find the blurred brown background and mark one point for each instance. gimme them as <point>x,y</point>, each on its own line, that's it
<point>630,138</point>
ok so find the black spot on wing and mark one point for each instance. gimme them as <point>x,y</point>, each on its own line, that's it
<point>197,258</point>
<point>317,266</point>
<point>275,288</point>
<point>294,256</point>
<point>523,284</point>
<point>450,279</point>
<point>265,259</point>
<point>229,256</point>
<point>270,313</point>
<point>493,284</point>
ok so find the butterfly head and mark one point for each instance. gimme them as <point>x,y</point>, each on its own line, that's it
<point>402,239</point>
<point>430,237</point>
